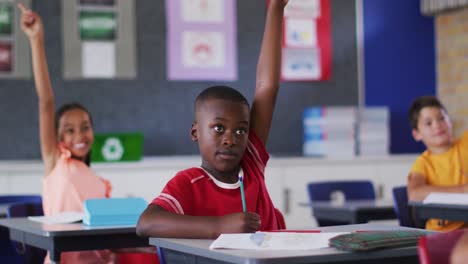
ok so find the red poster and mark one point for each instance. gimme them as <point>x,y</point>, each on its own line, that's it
<point>6,59</point>
<point>306,41</point>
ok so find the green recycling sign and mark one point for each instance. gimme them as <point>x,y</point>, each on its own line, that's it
<point>114,147</point>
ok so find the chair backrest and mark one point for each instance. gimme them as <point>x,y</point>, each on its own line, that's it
<point>7,253</point>
<point>352,190</point>
<point>25,209</point>
<point>400,203</point>
<point>29,254</point>
<point>4,199</point>
<point>434,249</point>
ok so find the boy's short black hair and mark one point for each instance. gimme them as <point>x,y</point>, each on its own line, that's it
<point>220,92</point>
<point>419,104</point>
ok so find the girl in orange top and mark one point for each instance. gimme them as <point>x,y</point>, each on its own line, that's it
<point>66,139</point>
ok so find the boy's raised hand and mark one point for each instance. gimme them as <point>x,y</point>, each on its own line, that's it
<point>31,23</point>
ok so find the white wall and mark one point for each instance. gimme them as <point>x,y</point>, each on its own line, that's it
<point>286,178</point>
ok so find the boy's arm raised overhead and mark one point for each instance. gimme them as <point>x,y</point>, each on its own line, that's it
<point>32,26</point>
<point>268,71</point>
<point>418,188</point>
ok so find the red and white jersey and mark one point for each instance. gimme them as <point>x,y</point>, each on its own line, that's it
<point>195,192</point>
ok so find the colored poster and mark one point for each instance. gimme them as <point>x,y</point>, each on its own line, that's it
<point>97,2</point>
<point>201,40</point>
<point>203,49</point>
<point>6,19</point>
<point>307,41</point>
<point>98,25</point>
<point>113,147</point>
<point>300,33</point>
<point>98,59</point>
<point>302,8</point>
<point>6,57</point>
<point>202,11</point>
<point>301,64</point>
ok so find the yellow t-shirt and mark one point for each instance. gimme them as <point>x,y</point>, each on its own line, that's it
<point>447,169</point>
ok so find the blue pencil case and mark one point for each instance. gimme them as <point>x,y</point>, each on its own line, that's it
<point>113,211</point>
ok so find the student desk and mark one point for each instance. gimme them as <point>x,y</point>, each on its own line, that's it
<point>3,210</point>
<point>197,251</point>
<point>59,238</point>
<point>353,212</point>
<point>440,211</point>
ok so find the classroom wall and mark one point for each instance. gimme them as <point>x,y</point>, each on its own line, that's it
<point>399,63</point>
<point>452,66</point>
<point>162,109</point>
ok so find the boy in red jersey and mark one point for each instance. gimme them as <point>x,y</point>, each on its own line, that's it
<point>205,202</point>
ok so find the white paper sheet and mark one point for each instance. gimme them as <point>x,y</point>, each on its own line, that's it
<point>446,198</point>
<point>301,64</point>
<point>211,11</point>
<point>98,59</point>
<point>275,241</point>
<point>62,218</point>
<point>301,33</point>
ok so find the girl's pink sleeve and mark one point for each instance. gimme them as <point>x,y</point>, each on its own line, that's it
<point>108,187</point>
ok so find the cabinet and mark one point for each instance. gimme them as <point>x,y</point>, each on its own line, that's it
<point>286,178</point>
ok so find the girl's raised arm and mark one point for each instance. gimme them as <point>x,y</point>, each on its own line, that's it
<point>32,26</point>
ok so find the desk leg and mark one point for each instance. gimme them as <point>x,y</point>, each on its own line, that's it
<point>55,256</point>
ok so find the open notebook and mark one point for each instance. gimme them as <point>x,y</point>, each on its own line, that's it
<point>61,218</point>
<point>446,198</point>
<point>274,241</point>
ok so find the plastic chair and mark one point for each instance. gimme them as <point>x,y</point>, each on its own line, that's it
<point>352,190</point>
<point>29,254</point>
<point>5,199</point>
<point>435,249</point>
<point>402,210</point>
<point>130,258</point>
<point>7,252</point>
<point>161,257</point>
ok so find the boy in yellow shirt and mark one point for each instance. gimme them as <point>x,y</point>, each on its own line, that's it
<point>443,167</point>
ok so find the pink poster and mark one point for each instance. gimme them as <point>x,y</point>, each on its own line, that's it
<point>201,40</point>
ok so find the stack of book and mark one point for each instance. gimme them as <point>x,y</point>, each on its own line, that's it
<point>330,131</point>
<point>113,211</point>
<point>374,131</point>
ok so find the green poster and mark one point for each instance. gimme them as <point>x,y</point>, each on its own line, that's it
<point>98,25</point>
<point>114,147</point>
<point>6,18</point>
<point>97,2</point>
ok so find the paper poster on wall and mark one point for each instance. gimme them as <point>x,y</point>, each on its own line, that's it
<point>6,19</point>
<point>6,58</point>
<point>307,41</point>
<point>302,8</point>
<point>15,56</point>
<point>97,25</point>
<point>101,41</point>
<point>97,2</point>
<point>201,40</point>
<point>301,64</point>
<point>300,33</point>
<point>203,49</point>
<point>202,10</point>
<point>98,59</point>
